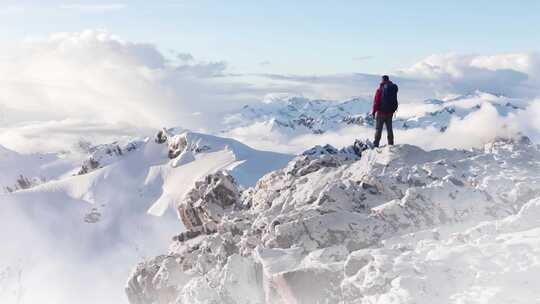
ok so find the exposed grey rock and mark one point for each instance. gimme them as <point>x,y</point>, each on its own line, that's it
<point>208,201</point>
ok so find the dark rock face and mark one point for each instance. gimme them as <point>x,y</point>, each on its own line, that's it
<point>90,165</point>
<point>161,137</point>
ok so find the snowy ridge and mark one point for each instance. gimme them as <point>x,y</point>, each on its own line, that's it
<point>398,225</point>
<point>99,219</point>
<point>195,155</point>
<point>175,157</point>
<point>106,154</point>
<point>299,115</point>
<point>22,171</point>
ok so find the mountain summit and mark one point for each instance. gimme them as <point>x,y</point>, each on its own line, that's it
<point>393,224</point>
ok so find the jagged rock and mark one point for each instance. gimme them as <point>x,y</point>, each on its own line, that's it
<point>326,156</point>
<point>161,137</point>
<point>353,151</point>
<point>23,183</point>
<point>177,146</point>
<point>208,201</point>
<point>102,155</point>
<point>330,228</point>
<point>93,216</point>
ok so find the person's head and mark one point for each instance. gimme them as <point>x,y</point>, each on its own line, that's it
<point>385,78</point>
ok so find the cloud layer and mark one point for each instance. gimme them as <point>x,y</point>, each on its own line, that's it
<point>96,78</point>
<point>92,81</point>
<point>515,74</point>
<point>94,75</point>
<point>95,8</point>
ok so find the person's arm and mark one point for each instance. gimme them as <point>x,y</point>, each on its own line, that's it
<point>376,101</point>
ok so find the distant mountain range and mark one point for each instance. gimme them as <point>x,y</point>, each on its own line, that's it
<point>300,115</point>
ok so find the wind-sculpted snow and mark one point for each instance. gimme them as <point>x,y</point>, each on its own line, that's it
<point>392,225</point>
<point>88,220</point>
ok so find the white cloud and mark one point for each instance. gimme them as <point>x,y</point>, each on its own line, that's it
<point>96,77</point>
<point>362,58</point>
<point>11,9</point>
<point>95,8</point>
<point>508,74</point>
<point>471,131</point>
<point>185,56</point>
<point>65,135</point>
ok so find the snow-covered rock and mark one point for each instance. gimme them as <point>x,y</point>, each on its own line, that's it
<point>205,204</point>
<point>395,225</point>
<point>195,155</point>
<point>103,155</point>
<point>353,151</point>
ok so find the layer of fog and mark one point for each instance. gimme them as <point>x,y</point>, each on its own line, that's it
<point>53,252</point>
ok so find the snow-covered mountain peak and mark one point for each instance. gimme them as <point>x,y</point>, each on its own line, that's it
<point>107,210</point>
<point>294,116</point>
<point>180,141</point>
<point>300,114</point>
<point>349,226</point>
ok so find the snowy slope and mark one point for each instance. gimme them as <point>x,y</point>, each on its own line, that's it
<point>196,155</point>
<point>396,225</point>
<point>91,221</point>
<point>166,169</point>
<point>19,171</point>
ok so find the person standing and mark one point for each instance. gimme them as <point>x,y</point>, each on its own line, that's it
<point>385,105</point>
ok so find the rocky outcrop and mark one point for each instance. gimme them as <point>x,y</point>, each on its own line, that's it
<point>105,154</point>
<point>179,141</point>
<point>326,228</point>
<point>211,198</point>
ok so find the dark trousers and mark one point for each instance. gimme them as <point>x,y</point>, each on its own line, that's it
<point>380,121</point>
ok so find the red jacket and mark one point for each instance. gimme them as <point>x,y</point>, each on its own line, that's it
<point>377,101</point>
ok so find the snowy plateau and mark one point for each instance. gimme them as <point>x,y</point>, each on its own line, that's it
<point>352,224</point>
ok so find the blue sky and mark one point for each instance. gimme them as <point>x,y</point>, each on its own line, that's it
<point>300,37</point>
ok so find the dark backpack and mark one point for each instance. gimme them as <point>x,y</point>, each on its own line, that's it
<point>389,102</point>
